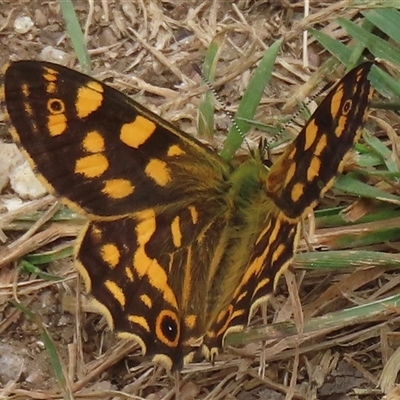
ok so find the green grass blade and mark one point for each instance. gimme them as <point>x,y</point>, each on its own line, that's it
<point>344,259</point>
<point>380,149</point>
<point>32,269</point>
<point>384,83</point>
<point>387,20</point>
<point>51,350</point>
<point>380,80</point>
<point>50,256</point>
<point>332,218</point>
<point>205,125</point>
<point>350,184</point>
<point>367,159</point>
<point>250,101</point>
<point>362,235</point>
<point>336,48</point>
<point>75,32</point>
<point>348,56</point>
<point>335,320</point>
<point>378,47</point>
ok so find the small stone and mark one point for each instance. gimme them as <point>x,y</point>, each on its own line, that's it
<point>40,18</point>
<point>13,203</point>
<point>25,184</point>
<point>12,363</point>
<point>10,158</point>
<point>23,24</point>
<point>51,54</point>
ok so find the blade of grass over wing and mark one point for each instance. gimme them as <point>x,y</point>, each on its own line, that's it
<point>51,350</point>
<point>205,124</point>
<point>250,101</point>
<point>75,32</point>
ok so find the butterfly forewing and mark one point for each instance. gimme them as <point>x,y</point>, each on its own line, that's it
<point>100,150</point>
<point>307,168</point>
<point>181,247</point>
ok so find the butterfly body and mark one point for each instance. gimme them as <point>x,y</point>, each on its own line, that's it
<point>181,246</point>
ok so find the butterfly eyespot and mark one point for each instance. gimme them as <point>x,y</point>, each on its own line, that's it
<point>167,328</point>
<point>56,106</point>
<point>347,107</point>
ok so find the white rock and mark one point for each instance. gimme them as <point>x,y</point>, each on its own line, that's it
<point>23,24</point>
<point>10,158</point>
<point>12,203</point>
<point>52,54</point>
<point>25,183</point>
<point>13,362</point>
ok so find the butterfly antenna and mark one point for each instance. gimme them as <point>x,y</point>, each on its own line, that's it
<point>268,143</point>
<point>221,102</point>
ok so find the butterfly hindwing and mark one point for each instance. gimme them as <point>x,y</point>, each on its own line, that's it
<point>144,272</point>
<point>271,255</point>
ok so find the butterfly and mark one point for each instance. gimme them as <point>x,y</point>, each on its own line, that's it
<point>181,246</point>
